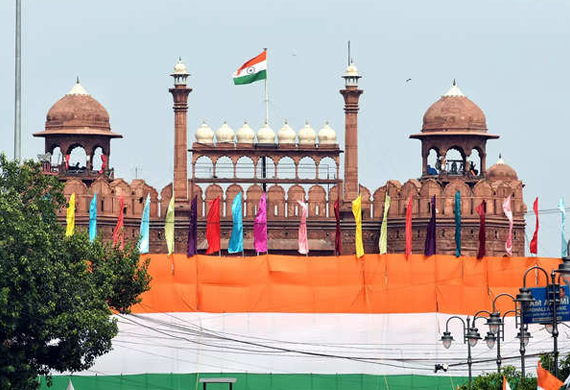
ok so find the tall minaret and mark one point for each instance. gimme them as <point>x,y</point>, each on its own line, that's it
<point>180,95</point>
<point>351,94</point>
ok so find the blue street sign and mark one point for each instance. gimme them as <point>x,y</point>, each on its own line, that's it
<point>540,311</point>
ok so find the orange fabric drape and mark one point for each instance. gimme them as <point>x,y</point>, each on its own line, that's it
<point>299,284</point>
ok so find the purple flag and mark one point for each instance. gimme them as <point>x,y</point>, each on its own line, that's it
<point>430,234</point>
<point>193,229</point>
<point>260,227</point>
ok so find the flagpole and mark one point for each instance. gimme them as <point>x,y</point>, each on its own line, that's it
<point>266,91</point>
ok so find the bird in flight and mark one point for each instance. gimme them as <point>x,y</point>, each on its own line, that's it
<point>408,80</point>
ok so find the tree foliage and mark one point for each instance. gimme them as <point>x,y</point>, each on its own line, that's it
<point>57,293</point>
<point>494,380</point>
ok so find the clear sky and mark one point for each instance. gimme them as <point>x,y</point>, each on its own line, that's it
<point>511,57</point>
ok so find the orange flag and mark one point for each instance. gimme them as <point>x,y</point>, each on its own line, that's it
<point>118,233</point>
<point>506,384</point>
<point>547,381</point>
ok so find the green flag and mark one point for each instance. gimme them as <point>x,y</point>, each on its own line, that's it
<point>383,243</point>
<point>169,226</point>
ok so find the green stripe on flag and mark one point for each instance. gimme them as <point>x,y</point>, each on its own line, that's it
<point>257,382</point>
<point>250,78</point>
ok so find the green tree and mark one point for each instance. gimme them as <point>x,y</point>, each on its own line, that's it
<point>57,293</point>
<point>494,380</point>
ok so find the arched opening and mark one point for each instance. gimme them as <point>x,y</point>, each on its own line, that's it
<point>77,159</point>
<point>245,168</point>
<point>307,168</point>
<point>56,156</point>
<point>286,168</point>
<point>204,168</point>
<point>433,165</point>
<point>474,163</point>
<point>97,159</point>
<point>454,162</point>
<point>269,168</point>
<point>327,168</point>
<point>224,168</point>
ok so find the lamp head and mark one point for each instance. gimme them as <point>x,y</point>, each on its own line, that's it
<point>524,297</point>
<point>473,336</point>
<point>446,339</point>
<point>564,269</point>
<point>490,339</point>
<point>494,322</point>
<point>525,336</point>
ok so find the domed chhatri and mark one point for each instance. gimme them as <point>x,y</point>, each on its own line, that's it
<point>327,136</point>
<point>245,134</point>
<point>454,112</point>
<point>286,135</point>
<point>205,134</point>
<point>265,135</point>
<point>307,136</point>
<point>78,112</point>
<point>455,129</point>
<point>225,134</point>
<point>180,68</point>
<point>501,171</point>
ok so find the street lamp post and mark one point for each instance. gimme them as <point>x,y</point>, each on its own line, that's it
<point>553,296</point>
<point>470,337</point>
<point>497,325</point>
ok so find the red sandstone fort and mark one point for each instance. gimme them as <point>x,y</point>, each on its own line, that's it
<point>291,166</point>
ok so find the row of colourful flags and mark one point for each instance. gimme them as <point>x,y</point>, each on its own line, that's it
<point>235,245</point>
<point>430,242</point>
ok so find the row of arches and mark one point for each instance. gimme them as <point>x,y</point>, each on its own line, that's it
<point>494,193</point>
<point>269,167</point>
<point>281,203</point>
<point>78,158</point>
<point>108,197</point>
<point>454,161</point>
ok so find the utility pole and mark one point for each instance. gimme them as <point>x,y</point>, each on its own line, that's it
<point>18,84</point>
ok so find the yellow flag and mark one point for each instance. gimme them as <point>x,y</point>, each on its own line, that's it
<point>70,216</point>
<point>169,226</point>
<point>383,244</point>
<point>357,212</point>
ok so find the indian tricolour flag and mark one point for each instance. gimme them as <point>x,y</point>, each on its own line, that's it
<point>253,70</point>
<point>309,323</point>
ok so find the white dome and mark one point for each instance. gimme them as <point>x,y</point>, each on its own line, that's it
<point>327,136</point>
<point>286,135</point>
<point>225,134</point>
<point>265,135</point>
<point>351,70</point>
<point>180,68</point>
<point>205,134</point>
<point>307,135</point>
<point>245,134</point>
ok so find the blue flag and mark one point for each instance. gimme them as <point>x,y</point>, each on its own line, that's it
<point>93,218</point>
<point>563,227</point>
<point>236,239</point>
<point>145,227</point>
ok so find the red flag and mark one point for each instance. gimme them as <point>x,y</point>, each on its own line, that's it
<point>103,163</point>
<point>409,226</point>
<point>213,227</point>
<point>481,210</point>
<point>337,237</point>
<point>67,157</point>
<point>119,231</point>
<point>534,241</point>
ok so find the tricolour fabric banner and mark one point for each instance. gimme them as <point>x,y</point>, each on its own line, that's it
<point>310,322</point>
